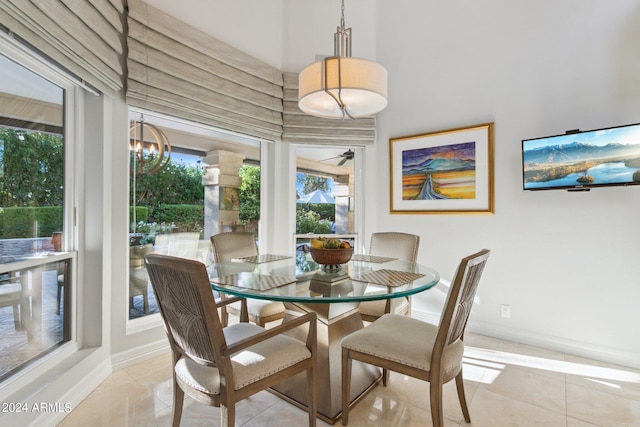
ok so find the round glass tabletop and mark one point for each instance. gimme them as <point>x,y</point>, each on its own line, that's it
<point>299,279</point>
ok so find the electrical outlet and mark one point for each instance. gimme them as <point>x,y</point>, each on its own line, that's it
<point>505,311</point>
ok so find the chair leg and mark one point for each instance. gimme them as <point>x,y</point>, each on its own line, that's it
<point>435,391</point>
<point>462,398</point>
<point>178,401</point>
<point>228,415</point>
<point>244,311</point>
<point>311,396</point>
<point>224,316</point>
<point>346,385</point>
<point>385,376</point>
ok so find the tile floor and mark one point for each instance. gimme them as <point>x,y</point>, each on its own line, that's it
<point>507,384</point>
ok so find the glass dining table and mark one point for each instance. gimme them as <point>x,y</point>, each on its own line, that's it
<point>334,295</point>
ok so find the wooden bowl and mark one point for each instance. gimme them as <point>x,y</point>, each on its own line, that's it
<point>331,256</point>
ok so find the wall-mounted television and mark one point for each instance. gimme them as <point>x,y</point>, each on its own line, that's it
<point>581,160</point>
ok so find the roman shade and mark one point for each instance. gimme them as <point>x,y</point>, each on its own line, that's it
<point>301,128</point>
<point>180,71</point>
<point>83,37</point>
<point>173,69</point>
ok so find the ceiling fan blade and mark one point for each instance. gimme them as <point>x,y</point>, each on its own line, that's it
<point>331,158</point>
<point>342,162</point>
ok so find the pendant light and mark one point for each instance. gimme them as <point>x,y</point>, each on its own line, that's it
<point>340,86</point>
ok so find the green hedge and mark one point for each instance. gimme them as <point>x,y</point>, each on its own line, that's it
<point>142,214</point>
<point>18,223</point>
<point>310,222</point>
<point>325,210</point>
<point>179,214</point>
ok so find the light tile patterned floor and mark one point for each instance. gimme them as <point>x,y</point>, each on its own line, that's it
<point>507,384</point>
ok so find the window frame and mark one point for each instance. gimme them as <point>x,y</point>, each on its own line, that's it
<point>72,126</point>
<point>359,187</point>
<point>226,137</point>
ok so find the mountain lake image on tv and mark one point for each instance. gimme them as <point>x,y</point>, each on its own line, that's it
<point>583,160</point>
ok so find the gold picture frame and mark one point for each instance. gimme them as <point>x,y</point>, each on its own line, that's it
<point>443,172</point>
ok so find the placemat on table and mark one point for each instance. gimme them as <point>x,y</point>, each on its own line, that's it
<point>329,277</point>
<point>259,259</point>
<point>388,277</point>
<point>372,258</point>
<point>258,282</point>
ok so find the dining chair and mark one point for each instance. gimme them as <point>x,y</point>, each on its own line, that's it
<point>392,245</point>
<point>238,244</point>
<point>418,349</point>
<point>11,296</point>
<point>221,366</point>
<point>183,245</point>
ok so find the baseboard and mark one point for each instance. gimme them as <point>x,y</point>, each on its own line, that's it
<point>425,316</point>
<point>92,378</point>
<point>62,389</point>
<point>139,354</point>
<point>76,394</point>
<point>51,394</point>
<point>563,345</point>
<point>577,348</point>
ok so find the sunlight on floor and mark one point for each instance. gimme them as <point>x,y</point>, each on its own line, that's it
<point>492,362</point>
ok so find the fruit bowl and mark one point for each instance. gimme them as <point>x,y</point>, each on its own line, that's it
<point>331,258</point>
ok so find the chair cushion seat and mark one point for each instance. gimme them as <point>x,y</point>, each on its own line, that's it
<point>249,365</point>
<point>258,308</point>
<point>404,340</point>
<point>376,308</point>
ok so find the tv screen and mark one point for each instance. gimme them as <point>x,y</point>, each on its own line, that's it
<point>582,160</point>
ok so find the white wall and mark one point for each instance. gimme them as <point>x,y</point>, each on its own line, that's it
<point>252,26</point>
<point>565,262</point>
<point>310,25</point>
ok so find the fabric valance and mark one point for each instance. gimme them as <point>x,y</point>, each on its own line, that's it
<point>174,69</point>
<point>180,71</point>
<point>301,128</point>
<point>84,37</point>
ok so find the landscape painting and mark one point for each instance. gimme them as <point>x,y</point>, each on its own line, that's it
<point>448,171</point>
<point>442,172</point>
<point>604,157</point>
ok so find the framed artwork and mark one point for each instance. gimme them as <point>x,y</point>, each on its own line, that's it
<point>443,172</point>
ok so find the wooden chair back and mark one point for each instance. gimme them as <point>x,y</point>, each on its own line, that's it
<point>395,245</point>
<point>188,308</point>
<point>457,307</point>
<point>233,244</point>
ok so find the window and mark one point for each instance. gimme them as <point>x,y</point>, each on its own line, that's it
<point>198,182</point>
<point>325,193</point>
<point>35,274</point>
